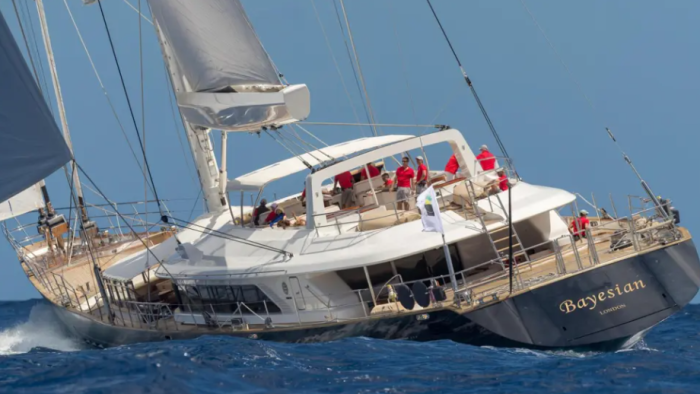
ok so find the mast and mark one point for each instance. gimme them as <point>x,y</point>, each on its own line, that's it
<point>223,79</point>
<point>59,100</point>
<point>198,137</point>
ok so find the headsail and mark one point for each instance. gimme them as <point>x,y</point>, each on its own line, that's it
<point>229,80</point>
<point>31,145</point>
<point>28,200</point>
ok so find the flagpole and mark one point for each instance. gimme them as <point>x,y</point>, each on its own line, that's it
<point>450,268</point>
<point>510,237</point>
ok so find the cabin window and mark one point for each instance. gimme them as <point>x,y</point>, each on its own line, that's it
<point>225,298</point>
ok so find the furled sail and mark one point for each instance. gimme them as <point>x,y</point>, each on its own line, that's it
<point>214,43</point>
<point>31,145</point>
<point>229,80</point>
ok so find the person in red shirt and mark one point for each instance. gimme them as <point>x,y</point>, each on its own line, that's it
<point>451,168</point>
<point>387,182</point>
<point>421,176</point>
<point>373,171</point>
<point>404,184</point>
<point>486,158</point>
<point>502,180</point>
<point>579,225</point>
<point>345,180</point>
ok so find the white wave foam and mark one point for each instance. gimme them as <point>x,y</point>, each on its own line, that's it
<point>41,330</point>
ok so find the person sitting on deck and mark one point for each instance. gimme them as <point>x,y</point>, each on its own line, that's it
<point>347,198</point>
<point>502,180</point>
<point>275,216</point>
<point>451,168</point>
<point>373,171</point>
<point>404,184</point>
<point>579,225</point>
<point>262,208</point>
<point>41,223</point>
<point>486,159</point>
<point>421,176</point>
<point>387,182</point>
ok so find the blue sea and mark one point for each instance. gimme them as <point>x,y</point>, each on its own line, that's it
<point>36,357</point>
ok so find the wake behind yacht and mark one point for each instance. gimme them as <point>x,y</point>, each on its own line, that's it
<point>507,271</point>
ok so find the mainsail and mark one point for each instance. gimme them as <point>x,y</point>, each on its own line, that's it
<point>228,80</point>
<point>214,43</point>
<point>31,145</point>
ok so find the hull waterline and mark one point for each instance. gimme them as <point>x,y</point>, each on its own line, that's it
<point>607,308</point>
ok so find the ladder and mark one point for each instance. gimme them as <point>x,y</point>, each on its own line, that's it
<point>500,244</point>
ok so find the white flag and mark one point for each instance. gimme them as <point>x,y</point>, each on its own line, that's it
<point>430,211</point>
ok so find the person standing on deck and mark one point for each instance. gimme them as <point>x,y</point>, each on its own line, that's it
<point>346,181</point>
<point>451,168</point>
<point>421,176</point>
<point>373,171</point>
<point>486,159</point>
<point>579,225</point>
<point>404,180</point>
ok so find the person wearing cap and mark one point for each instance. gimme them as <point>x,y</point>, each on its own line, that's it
<point>486,159</point>
<point>421,176</point>
<point>373,171</point>
<point>451,168</point>
<point>273,213</point>
<point>579,225</point>
<point>262,208</point>
<point>404,180</point>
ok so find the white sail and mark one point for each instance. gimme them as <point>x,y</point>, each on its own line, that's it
<point>25,201</point>
<point>31,145</point>
<point>214,43</point>
<point>227,80</point>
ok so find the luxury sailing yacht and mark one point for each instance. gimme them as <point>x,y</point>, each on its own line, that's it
<point>506,271</point>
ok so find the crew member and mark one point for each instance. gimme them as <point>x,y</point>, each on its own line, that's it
<point>502,180</point>
<point>262,208</point>
<point>373,171</point>
<point>486,158</point>
<point>404,184</point>
<point>387,182</point>
<point>345,180</point>
<point>421,176</point>
<point>451,168</point>
<point>579,225</point>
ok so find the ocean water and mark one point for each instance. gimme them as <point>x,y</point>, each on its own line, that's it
<point>36,357</point>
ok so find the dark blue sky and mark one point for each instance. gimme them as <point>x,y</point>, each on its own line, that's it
<point>636,61</point>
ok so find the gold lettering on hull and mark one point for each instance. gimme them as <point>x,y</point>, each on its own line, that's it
<point>590,302</point>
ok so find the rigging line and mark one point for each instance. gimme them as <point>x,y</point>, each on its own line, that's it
<point>230,237</point>
<point>306,151</point>
<point>437,126</point>
<point>292,131</point>
<point>177,126</point>
<point>138,11</point>
<point>589,101</point>
<point>352,64</point>
<point>359,68</point>
<point>102,86</point>
<point>196,200</point>
<point>143,128</point>
<point>403,61</point>
<point>145,244</point>
<point>314,136</point>
<point>301,148</point>
<point>309,166</point>
<point>131,111</point>
<point>335,62</point>
<point>26,44</point>
<point>556,53</point>
<point>42,73</point>
<point>469,83</point>
<point>443,108</point>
